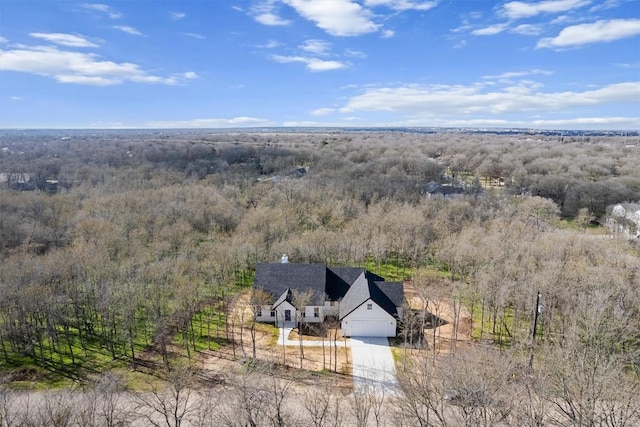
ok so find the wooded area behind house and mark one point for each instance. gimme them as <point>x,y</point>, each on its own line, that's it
<point>119,243</point>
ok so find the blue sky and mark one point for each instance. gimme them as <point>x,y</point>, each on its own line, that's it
<point>551,64</point>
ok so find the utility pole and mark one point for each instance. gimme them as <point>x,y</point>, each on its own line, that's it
<point>535,328</point>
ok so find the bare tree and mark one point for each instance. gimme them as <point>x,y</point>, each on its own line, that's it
<point>259,298</point>
<point>110,390</point>
<point>476,396</point>
<point>9,402</point>
<point>57,409</point>
<point>322,403</point>
<point>171,403</point>
<point>300,300</point>
<point>360,407</point>
<point>421,402</point>
<point>258,393</point>
<point>377,399</point>
<point>532,408</point>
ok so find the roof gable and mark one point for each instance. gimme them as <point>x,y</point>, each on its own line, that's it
<point>286,296</point>
<point>361,291</point>
<point>339,280</point>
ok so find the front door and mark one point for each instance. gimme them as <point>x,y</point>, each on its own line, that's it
<point>287,315</point>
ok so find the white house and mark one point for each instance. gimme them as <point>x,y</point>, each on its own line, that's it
<point>363,302</point>
<point>625,220</point>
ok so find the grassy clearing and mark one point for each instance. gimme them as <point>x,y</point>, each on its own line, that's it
<point>392,271</point>
<point>499,328</point>
<point>271,330</point>
<point>59,364</point>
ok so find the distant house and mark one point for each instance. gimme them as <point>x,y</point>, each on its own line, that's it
<point>433,189</point>
<point>624,219</point>
<point>21,181</point>
<point>363,302</point>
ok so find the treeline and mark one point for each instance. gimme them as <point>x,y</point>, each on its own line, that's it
<point>575,172</point>
<point>140,253</point>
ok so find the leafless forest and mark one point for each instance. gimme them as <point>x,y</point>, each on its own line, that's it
<point>122,252</point>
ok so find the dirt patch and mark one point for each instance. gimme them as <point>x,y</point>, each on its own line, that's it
<point>244,331</point>
<point>312,333</point>
<point>446,334</point>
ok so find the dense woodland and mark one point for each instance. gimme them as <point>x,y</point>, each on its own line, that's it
<point>115,243</point>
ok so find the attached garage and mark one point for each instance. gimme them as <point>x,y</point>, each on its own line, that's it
<point>368,320</point>
<point>369,328</point>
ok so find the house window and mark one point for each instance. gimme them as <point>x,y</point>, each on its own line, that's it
<point>369,306</point>
<point>316,311</point>
<point>272,314</point>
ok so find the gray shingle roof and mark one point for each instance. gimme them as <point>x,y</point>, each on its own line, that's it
<point>339,279</point>
<point>277,278</point>
<point>350,285</point>
<point>361,291</point>
<point>393,290</point>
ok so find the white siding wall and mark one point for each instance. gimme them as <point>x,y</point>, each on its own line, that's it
<point>331,310</point>
<point>280,313</point>
<point>264,315</point>
<point>374,322</point>
<point>309,314</point>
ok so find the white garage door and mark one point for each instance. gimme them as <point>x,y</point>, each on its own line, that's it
<point>368,328</point>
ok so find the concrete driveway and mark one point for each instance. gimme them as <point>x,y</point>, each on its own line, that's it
<point>373,366</point>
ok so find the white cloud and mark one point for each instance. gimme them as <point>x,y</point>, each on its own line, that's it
<point>519,9</point>
<point>127,29</point>
<point>336,17</point>
<point>387,34</point>
<point>596,32</point>
<point>594,123</point>
<point>313,64</point>
<point>608,4</point>
<point>527,29</point>
<point>322,112</point>
<point>355,53</point>
<point>345,122</point>
<point>209,123</point>
<point>591,123</point>
<point>15,98</point>
<point>194,35</point>
<point>568,19</point>
<point>271,19</point>
<point>479,98</point>
<point>271,44</point>
<point>177,15</point>
<point>403,5</point>
<point>3,40</point>
<point>265,13</point>
<point>80,68</point>
<point>70,40</point>
<point>628,65</point>
<point>490,31</point>
<point>317,47</point>
<point>103,8</point>
<point>512,74</point>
